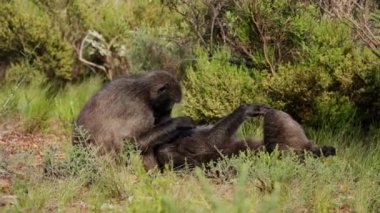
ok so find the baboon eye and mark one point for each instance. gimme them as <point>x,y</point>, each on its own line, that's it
<point>162,89</point>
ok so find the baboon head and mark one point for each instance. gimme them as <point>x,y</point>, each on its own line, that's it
<point>163,93</point>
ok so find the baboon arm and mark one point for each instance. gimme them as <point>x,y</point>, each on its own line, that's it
<point>224,129</point>
<point>157,135</point>
<point>169,154</point>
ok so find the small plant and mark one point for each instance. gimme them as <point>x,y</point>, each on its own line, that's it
<point>81,161</point>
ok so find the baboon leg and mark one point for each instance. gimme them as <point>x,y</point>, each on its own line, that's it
<point>223,130</point>
<point>195,154</point>
<point>242,145</point>
<point>149,161</point>
<point>168,154</point>
<point>281,147</point>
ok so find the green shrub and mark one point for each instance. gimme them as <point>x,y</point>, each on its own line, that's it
<point>324,88</point>
<point>80,161</point>
<point>319,72</point>
<point>150,52</point>
<point>27,31</point>
<point>265,33</point>
<point>23,72</point>
<point>152,14</point>
<point>334,110</point>
<point>368,97</point>
<point>214,88</point>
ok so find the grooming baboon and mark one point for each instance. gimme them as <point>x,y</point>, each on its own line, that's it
<point>283,132</point>
<point>136,108</point>
<point>207,143</point>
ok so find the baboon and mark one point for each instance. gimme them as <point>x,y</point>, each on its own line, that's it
<point>136,108</point>
<point>283,132</point>
<point>207,143</point>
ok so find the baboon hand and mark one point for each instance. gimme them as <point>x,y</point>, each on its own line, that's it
<point>184,122</point>
<point>257,109</point>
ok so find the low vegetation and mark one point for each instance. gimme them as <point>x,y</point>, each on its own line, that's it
<point>259,183</point>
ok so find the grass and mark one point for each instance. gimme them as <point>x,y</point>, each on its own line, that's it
<point>348,182</point>
<point>38,111</point>
<point>258,183</point>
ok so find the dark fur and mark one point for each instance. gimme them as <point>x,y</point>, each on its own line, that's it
<point>205,143</point>
<point>283,132</point>
<point>136,108</point>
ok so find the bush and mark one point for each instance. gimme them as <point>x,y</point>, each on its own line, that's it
<point>288,53</point>
<point>265,33</point>
<point>214,88</point>
<point>48,35</point>
<point>307,94</point>
<point>150,52</point>
<point>319,73</point>
<point>27,31</point>
<point>23,73</point>
<point>326,86</point>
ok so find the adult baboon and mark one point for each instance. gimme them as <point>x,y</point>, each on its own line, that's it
<point>283,132</point>
<point>207,143</point>
<point>136,108</point>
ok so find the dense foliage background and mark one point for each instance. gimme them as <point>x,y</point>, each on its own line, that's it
<point>318,60</point>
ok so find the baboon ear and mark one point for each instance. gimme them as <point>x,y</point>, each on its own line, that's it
<point>162,88</point>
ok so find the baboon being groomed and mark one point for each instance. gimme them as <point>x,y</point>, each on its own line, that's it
<point>206,143</point>
<point>137,108</point>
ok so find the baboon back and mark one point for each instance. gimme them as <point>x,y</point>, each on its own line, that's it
<point>126,108</point>
<point>280,130</point>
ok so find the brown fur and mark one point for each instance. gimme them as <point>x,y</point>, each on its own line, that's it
<point>283,132</point>
<point>206,143</point>
<point>130,108</point>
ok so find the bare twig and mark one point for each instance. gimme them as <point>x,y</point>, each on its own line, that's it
<point>262,37</point>
<point>215,12</point>
<point>82,59</point>
<point>362,29</point>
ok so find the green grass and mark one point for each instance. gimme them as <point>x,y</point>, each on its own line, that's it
<point>38,111</point>
<point>247,183</point>
<point>348,182</point>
